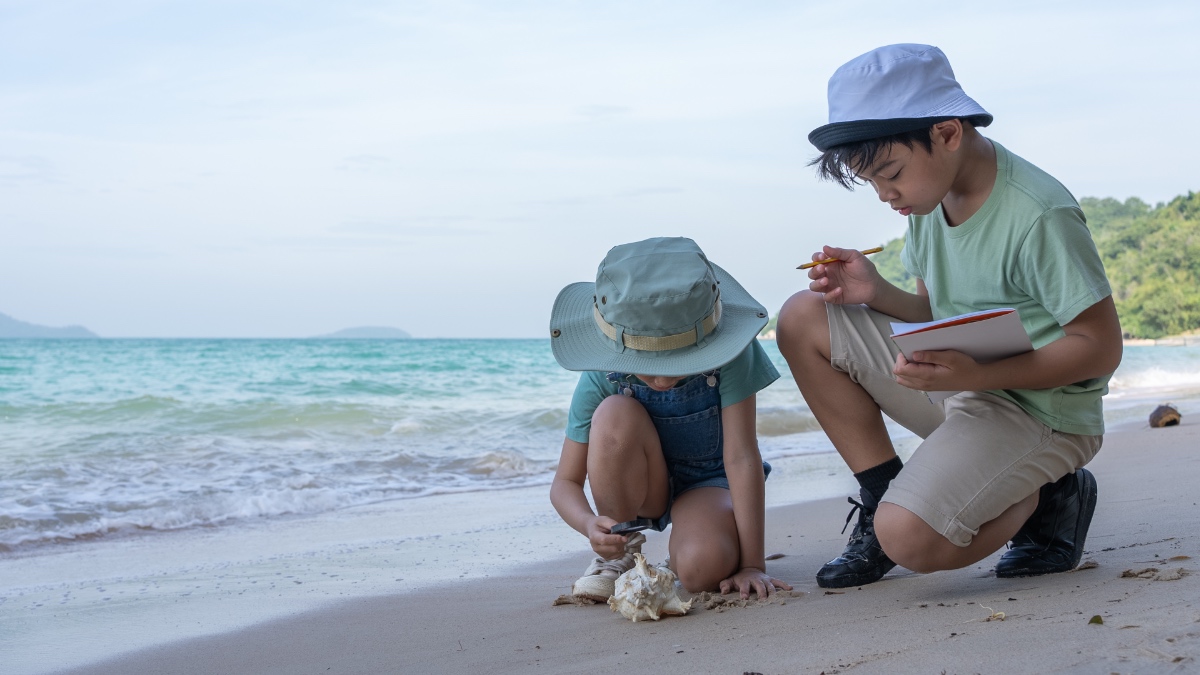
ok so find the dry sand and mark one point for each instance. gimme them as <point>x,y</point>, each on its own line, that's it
<point>908,623</point>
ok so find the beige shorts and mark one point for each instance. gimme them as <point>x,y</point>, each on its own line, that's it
<point>981,453</point>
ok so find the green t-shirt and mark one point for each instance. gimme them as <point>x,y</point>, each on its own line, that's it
<point>1027,247</point>
<point>747,374</point>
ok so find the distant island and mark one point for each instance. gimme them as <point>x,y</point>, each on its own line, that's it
<point>12,328</point>
<point>366,333</point>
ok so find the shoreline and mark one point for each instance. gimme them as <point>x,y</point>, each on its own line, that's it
<point>339,600</point>
<point>1172,341</point>
<point>906,623</point>
<point>109,597</point>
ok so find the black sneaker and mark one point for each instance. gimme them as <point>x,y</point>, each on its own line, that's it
<point>1052,539</point>
<point>862,561</point>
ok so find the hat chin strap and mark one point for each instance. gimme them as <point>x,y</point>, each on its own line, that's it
<point>659,343</point>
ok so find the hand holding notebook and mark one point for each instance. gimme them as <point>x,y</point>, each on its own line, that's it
<point>988,335</point>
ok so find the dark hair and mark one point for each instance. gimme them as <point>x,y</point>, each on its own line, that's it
<point>841,163</point>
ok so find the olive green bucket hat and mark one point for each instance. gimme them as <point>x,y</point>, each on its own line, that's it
<point>658,307</point>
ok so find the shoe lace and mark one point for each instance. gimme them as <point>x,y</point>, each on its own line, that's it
<point>625,562</point>
<point>620,565</point>
<point>865,516</point>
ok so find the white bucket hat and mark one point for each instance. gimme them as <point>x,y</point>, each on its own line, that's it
<point>658,307</point>
<point>891,90</point>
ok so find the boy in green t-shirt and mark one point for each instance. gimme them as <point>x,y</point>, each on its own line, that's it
<point>1001,461</point>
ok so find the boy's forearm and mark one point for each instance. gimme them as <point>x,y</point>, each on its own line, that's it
<point>1070,359</point>
<point>899,303</point>
<point>1091,348</point>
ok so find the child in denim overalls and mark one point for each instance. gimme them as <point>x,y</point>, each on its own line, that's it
<point>662,423</point>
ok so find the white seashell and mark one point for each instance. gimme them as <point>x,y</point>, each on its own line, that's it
<point>646,592</point>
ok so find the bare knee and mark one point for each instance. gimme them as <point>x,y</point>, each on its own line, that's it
<point>910,542</point>
<point>802,323</point>
<point>704,546</point>
<point>619,425</point>
<point>700,567</point>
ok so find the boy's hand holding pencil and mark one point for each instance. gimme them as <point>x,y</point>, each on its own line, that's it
<point>826,261</point>
<point>854,281</point>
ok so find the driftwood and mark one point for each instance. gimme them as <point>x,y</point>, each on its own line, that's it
<point>1164,415</point>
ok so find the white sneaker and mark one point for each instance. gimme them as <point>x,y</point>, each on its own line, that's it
<point>599,581</point>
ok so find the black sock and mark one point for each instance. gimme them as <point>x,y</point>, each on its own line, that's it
<point>876,479</point>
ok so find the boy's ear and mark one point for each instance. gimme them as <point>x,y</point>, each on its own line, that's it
<point>948,134</point>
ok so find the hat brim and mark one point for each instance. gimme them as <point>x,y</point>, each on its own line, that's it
<point>841,133</point>
<point>578,344</point>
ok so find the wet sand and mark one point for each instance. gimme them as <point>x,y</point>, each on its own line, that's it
<point>1138,578</point>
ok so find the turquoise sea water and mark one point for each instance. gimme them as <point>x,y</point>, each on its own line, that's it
<point>103,438</point>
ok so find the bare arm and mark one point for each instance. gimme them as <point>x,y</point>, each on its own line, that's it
<point>1091,348</point>
<point>568,498</point>
<point>743,467</point>
<point>899,303</point>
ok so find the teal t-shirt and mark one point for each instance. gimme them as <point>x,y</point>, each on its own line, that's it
<point>747,374</point>
<point>1027,247</point>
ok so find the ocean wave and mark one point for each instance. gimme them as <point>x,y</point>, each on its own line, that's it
<point>469,423</point>
<point>114,438</point>
<point>1154,379</point>
<point>164,413</point>
<point>100,412</point>
<point>128,484</point>
<point>501,466</point>
<point>785,421</point>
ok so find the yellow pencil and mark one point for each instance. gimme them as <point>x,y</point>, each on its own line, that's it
<point>826,261</point>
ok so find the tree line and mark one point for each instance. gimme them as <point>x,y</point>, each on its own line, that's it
<point>1151,255</point>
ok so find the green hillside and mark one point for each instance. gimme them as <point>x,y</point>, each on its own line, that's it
<point>1151,254</point>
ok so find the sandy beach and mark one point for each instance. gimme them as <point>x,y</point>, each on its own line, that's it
<point>1138,578</point>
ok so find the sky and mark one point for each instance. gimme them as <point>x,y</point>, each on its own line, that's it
<point>290,168</point>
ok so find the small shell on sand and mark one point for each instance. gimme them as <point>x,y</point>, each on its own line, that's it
<point>646,592</point>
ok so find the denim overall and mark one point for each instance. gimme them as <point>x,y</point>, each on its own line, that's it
<point>688,420</point>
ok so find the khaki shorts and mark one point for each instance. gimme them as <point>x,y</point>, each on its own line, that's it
<point>981,453</point>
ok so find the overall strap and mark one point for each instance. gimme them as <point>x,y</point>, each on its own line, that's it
<point>624,382</point>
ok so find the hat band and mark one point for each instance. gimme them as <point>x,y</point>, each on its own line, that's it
<point>659,343</point>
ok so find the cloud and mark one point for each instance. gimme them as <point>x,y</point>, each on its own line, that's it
<point>367,160</point>
<point>420,226</point>
<point>650,192</point>
<point>365,163</point>
<point>584,200</point>
<point>28,169</point>
<point>599,110</point>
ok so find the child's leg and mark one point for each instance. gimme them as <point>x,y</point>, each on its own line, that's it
<point>842,359</point>
<point>705,548</point>
<point>847,413</point>
<point>625,464</point>
<point>974,482</point>
<point>913,544</point>
<point>628,477</point>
